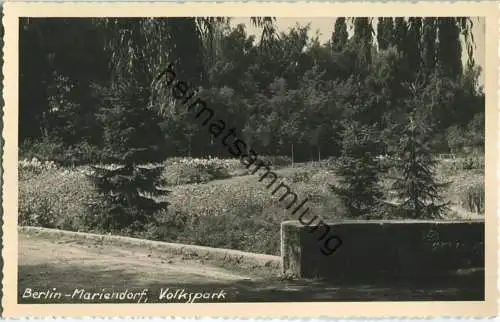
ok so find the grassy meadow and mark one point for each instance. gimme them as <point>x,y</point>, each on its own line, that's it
<point>218,203</point>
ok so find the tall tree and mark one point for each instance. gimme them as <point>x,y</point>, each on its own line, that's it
<point>363,39</point>
<point>133,140</point>
<point>339,35</point>
<point>413,45</point>
<point>358,171</point>
<point>449,50</point>
<point>429,44</point>
<point>47,49</point>
<point>416,188</point>
<point>385,33</point>
<point>143,47</point>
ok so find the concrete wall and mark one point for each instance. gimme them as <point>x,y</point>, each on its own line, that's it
<point>385,249</point>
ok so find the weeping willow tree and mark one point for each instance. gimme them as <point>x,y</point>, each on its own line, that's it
<point>143,47</point>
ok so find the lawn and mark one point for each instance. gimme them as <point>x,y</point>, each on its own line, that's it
<point>220,204</point>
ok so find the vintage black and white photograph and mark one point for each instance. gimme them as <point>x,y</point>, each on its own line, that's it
<point>219,159</point>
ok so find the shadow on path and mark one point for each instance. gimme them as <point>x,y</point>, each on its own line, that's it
<point>66,278</point>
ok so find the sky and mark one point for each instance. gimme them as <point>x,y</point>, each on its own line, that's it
<point>325,28</point>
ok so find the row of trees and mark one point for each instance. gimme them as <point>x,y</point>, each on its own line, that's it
<point>286,92</point>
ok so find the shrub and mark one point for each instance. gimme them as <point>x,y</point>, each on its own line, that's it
<point>33,167</point>
<point>52,150</point>
<point>82,153</point>
<point>300,176</point>
<point>45,149</point>
<point>218,173</point>
<point>167,227</point>
<point>472,198</point>
<point>177,173</point>
<point>39,211</point>
<point>275,161</point>
<point>54,198</point>
<point>234,231</point>
<point>470,163</point>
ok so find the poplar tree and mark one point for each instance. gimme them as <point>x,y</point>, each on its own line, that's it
<point>413,45</point>
<point>385,33</point>
<point>363,39</point>
<point>449,49</point>
<point>339,35</point>
<point>429,38</point>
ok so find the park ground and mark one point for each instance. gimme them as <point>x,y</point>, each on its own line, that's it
<point>68,262</point>
<point>218,203</point>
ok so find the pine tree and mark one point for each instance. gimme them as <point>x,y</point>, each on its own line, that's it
<point>416,188</point>
<point>358,171</point>
<point>134,144</point>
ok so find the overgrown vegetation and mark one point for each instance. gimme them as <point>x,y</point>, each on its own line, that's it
<point>343,104</point>
<point>286,95</point>
<point>230,213</point>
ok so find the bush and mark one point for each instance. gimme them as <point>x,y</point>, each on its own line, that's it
<point>166,227</point>
<point>54,151</point>
<point>472,198</point>
<point>45,150</point>
<point>33,167</point>
<point>83,153</point>
<point>39,211</point>
<point>234,231</point>
<point>300,176</point>
<point>177,173</point>
<point>275,161</point>
<point>470,163</point>
<point>54,198</point>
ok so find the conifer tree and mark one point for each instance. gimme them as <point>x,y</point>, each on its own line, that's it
<point>134,145</point>
<point>417,190</point>
<point>358,171</point>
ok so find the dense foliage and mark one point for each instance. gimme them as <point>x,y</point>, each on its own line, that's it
<point>132,189</point>
<point>395,87</point>
<point>286,94</point>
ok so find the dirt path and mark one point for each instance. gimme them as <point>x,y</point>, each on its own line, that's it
<point>66,265</point>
